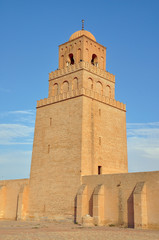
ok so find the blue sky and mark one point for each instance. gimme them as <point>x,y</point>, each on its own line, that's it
<point>30,34</point>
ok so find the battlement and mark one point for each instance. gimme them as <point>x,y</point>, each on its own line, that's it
<point>82,92</point>
<point>82,65</point>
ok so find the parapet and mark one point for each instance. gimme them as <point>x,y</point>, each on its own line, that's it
<point>81,92</point>
<point>82,65</point>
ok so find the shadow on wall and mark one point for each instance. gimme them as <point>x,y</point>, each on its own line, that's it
<point>130,206</point>
<point>75,209</point>
<point>91,206</point>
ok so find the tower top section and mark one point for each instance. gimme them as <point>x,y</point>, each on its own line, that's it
<point>82,47</point>
<point>82,33</point>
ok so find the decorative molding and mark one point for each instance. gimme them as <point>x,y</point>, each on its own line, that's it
<point>81,92</point>
<point>82,65</point>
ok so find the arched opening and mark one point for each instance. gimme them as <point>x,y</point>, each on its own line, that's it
<point>108,91</point>
<point>78,55</point>
<point>55,89</point>
<point>75,83</point>
<point>65,87</point>
<point>94,60</point>
<point>90,83</point>
<point>99,88</point>
<point>71,59</point>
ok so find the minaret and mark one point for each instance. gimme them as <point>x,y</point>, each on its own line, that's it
<point>80,128</point>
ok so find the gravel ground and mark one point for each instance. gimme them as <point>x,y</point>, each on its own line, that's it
<point>16,230</point>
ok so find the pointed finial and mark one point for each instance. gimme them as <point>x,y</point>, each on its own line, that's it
<point>82,24</point>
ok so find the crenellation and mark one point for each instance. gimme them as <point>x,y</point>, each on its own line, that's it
<point>82,65</point>
<point>78,93</point>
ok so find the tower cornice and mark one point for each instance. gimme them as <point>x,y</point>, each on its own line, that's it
<point>79,66</point>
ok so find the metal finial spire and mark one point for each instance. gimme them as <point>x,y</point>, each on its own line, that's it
<point>82,24</point>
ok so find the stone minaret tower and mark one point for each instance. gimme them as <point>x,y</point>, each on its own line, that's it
<point>80,128</point>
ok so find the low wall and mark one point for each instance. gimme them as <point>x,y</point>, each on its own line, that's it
<point>13,194</point>
<point>128,199</point>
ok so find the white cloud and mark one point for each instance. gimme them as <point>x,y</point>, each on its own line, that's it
<point>18,127</point>
<point>16,139</point>
<point>15,134</point>
<point>143,146</point>
<point>28,112</point>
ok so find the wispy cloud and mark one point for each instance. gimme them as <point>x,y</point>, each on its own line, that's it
<point>15,134</point>
<point>143,146</point>
<point>16,139</point>
<point>28,112</point>
<point>17,127</point>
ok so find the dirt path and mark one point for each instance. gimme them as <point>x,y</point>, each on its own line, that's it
<point>13,230</point>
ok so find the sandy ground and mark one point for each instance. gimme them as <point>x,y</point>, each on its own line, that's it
<point>16,230</point>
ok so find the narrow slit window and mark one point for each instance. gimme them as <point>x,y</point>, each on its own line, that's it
<point>99,140</point>
<point>99,112</point>
<point>99,170</point>
<point>50,121</point>
<point>48,148</point>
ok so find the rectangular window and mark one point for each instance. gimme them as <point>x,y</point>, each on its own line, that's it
<point>99,170</point>
<point>99,140</point>
<point>99,112</point>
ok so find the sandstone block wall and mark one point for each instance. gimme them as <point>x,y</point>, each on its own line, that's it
<point>130,199</point>
<point>12,202</point>
<point>56,160</point>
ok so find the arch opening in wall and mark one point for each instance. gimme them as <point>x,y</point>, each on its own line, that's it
<point>75,83</point>
<point>94,60</point>
<point>71,59</point>
<point>55,89</point>
<point>99,88</point>
<point>79,59</point>
<point>90,83</point>
<point>65,87</point>
<point>108,91</point>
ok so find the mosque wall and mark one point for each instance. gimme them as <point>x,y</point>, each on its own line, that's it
<point>13,198</point>
<point>129,199</point>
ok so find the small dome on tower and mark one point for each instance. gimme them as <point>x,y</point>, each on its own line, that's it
<point>81,33</point>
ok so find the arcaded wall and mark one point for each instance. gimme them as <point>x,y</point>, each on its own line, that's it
<point>130,199</point>
<point>11,200</point>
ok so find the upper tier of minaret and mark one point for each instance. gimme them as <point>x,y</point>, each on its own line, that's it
<point>82,47</point>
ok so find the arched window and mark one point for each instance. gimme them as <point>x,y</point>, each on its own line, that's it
<point>94,60</point>
<point>75,83</point>
<point>55,89</point>
<point>78,55</point>
<point>65,86</point>
<point>90,83</point>
<point>99,88</point>
<point>71,59</point>
<point>108,91</point>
